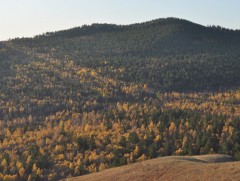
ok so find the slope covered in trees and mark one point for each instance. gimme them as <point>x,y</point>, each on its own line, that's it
<point>82,100</point>
<point>169,54</point>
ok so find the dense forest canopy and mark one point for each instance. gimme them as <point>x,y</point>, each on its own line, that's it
<point>82,100</point>
<point>168,54</point>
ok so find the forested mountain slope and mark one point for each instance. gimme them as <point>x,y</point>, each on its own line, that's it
<point>83,100</point>
<point>170,54</point>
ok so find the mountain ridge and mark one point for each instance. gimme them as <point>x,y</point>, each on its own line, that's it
<point>167,34</point>
<point>159,21</point>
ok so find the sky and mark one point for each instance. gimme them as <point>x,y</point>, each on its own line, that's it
<point>27,18</point>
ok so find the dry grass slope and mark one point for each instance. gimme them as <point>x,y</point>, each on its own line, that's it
<point>207,167</point>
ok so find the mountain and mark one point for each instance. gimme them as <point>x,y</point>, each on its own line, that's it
<point>168,54</point>
<point>83,100</point>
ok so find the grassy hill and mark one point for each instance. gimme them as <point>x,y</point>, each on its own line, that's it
<point>207,167</point>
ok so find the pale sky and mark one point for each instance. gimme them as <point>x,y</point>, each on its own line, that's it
<point>26,18</point>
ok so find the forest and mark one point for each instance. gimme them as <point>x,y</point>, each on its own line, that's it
<point>82,100</point>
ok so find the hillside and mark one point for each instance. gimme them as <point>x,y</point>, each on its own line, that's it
<point>90,98</point>
<point>207,58</point>
<point>207,167</point>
